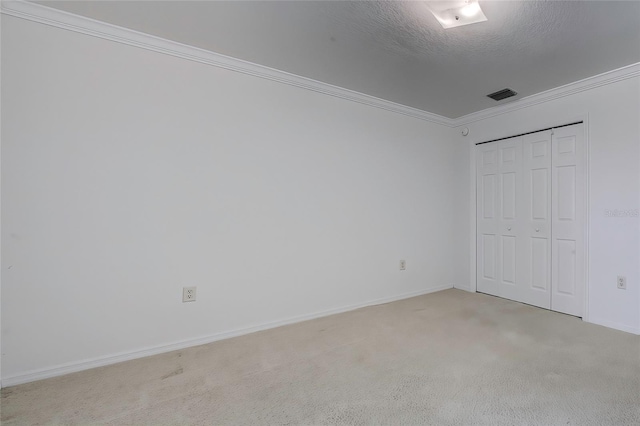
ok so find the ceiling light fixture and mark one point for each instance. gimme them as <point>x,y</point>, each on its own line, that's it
<point>453,14</point>
<point>471,9</point>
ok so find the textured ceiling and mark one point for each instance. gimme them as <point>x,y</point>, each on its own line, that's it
<point>397,50</point>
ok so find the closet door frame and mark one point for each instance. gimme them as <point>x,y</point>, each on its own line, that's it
<point>473,198</point>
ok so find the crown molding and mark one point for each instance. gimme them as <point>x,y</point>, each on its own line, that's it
<point>68,21</point>
<point>589,83</point>
<point>80,24</point>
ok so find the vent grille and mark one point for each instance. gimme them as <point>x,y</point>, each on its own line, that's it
<point>502,94</point>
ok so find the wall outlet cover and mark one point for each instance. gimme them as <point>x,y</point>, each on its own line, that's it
<point>189,294</point>
<point>622,282</point>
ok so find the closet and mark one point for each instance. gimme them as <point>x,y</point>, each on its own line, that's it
<point>531,217</point>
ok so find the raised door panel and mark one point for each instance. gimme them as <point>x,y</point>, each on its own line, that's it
<point>508,196</point>
<point>540,197</point>
<point>566,272</point>
<point>508,259</point>
<point>566,186</point>
<point>539,264</point>
<point>489,261</point>
<point>488,196</point>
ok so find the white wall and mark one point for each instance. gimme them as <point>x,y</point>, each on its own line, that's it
<point>127,174</point>
<point>613,120</point>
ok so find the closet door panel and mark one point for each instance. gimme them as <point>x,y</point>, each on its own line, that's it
<point>568,220</point>
<point>509,217</point>
<point>535,255</point>
<point>487,262</point>
<point>531,209</point>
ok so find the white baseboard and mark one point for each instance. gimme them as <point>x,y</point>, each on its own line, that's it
<point>614,325</point>
<point>73,367</point>
<point>463,287</point>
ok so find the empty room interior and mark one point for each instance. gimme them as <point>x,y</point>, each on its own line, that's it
<point>320,212</point>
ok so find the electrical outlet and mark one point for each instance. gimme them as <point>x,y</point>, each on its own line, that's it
<point>622,282</point>
<point>403,265</point>
<point>188,294</point>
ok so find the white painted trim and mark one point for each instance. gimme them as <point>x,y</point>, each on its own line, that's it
<point>587,219</point>
<point>473,226</point>
<point>0,219</point>
<point>615,325</point>
<point>80,24</point>
<point>73,367</point>
<point>589,83</point>
<point>464,287</point>
<point>68,21</point>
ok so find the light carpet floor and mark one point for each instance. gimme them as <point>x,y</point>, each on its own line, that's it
<point>448,358</point>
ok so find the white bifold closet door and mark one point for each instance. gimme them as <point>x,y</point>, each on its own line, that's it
<point>530,219</point>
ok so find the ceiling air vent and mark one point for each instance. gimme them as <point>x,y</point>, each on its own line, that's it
<point>502,94</point>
